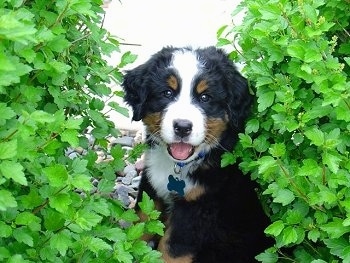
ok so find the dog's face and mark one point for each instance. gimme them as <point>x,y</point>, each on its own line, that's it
<point>188,99</point>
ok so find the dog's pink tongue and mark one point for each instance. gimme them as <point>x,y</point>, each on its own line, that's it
<point>180,150</point>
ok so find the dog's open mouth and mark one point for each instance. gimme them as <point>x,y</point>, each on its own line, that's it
<point>180,150</point>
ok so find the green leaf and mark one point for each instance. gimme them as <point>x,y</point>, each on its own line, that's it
<point>79,165</point>
<point>101,206</point>
<point>284,196</point>
<point>8,149</point>
<point>87,220</point>
<point>61,241</point>
<point>314,235</point>
<point>21,235</point>
<point>60,202</point>
<point>5,230</point>
<point>275,228</point>
<point>335,228</point>
<point>266,163</point>
<point>223,42</point>
<point>136,231</point>
<point>269,256</point>
<point>117,152</point>
<point>97,244</point>
<point>42,117</point>
<point>70,136</point>
<point>289,235</point>
<point>153,256</point>
<point>32,199</point>
<point>155,227</point>
<point>141,247</point>
<point>53,220</point>
<point>332,160</point>
<point>6,200</point>
<point>146,205</point>
<point>227,158</point>
<point>265,100</point>
<point>122,255</point>
<point>261,144</point>
<point>57,175</point>
<point>129,216</point>
<point>316,136</point>
<point>114,234</point>
<point>13,27</point>
<point>60,67</point>
<point>127,58</point>
<point>277,150</point>
<point>122,110</point>
<point>82,182</point>
<point>74,123</point>
<point>337,246</point>
<point>252,126</point>
<point>6,113</point>
<point>295,49</point>
<point>26,218</point>
<point>4,253</point>
<point>14,171</point>
<point>58,44</point>
<point>297,138</point>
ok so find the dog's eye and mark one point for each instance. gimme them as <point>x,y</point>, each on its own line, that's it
<point>168,93</point>
<point>204,97</point>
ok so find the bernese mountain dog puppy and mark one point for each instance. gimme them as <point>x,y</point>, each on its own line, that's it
<point>194,103</point>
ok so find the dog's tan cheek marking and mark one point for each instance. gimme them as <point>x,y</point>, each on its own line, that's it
<point>201,86</point>
<point>172,82</point>
<point>214,128</point>
<point>163,247</point>
<point>195,193</point>
<point>152,121</point>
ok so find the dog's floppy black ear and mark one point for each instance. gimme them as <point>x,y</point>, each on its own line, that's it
<point>239,100</point>
<point>137,82</point>
<point>134,85</point>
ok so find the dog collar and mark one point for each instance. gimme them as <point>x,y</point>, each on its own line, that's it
<point>179,165</point>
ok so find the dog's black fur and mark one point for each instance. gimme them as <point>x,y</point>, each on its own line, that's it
<point>223,221</point>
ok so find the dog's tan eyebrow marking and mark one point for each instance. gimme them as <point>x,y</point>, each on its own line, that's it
<point>172,82</point>
<point>201,86</point>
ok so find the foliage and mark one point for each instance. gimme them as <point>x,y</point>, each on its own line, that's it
<point>297,56</point>
<point>54,84</point>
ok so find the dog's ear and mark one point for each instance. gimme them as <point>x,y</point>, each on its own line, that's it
<point>239,101</point>
<point>137,82</point>
<point>135,87</point>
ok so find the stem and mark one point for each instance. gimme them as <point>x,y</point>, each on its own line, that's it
<point>324,175</point>
<point>130,44</point>
<point>37,209</point>
<point>10,135</point>
<point>81,38</point>
<point>285,172</point>
<point>302,195</point>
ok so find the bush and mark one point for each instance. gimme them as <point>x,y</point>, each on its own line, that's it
<point>54,84</point>
<point>297,56</point>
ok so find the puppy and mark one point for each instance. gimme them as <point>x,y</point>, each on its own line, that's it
<point>194,103</point>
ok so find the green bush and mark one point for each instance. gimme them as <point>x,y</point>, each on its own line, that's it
<point>54,84</point>
<point>297,56</point>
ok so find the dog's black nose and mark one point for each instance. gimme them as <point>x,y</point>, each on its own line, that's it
<point>182,127</point>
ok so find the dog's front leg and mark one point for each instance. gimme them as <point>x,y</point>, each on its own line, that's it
<point>167,256</point>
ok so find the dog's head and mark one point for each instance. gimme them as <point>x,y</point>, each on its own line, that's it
<point>188,99</point>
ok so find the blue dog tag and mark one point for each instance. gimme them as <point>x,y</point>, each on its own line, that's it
<point>176,184</point>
